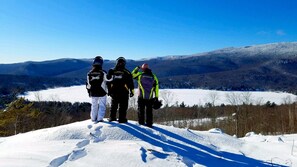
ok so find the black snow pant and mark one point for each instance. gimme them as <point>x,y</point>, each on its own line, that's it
<point>145,112</point>
<point>120,102</point>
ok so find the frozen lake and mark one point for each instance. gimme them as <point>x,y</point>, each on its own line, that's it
<point>170,96</point>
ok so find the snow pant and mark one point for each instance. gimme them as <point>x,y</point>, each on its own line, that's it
<point>120,102</point>
<point>98,108</point>
<point>145,112</point>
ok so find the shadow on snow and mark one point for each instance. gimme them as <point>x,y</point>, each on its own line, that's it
<point>190,153</point>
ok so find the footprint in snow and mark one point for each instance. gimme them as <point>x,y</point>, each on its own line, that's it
<point>58,161</point>
<point>98,128</point>
<point>95,135</point>
<point>76,154</point>
<point>83,143</point>
<point>90,126</point>
<point>156,152</point>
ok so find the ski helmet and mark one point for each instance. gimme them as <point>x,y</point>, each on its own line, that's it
<point>121,61</point>
<point>98,61</point>
<point>144,66</point>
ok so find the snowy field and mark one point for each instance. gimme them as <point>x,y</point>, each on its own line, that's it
<point>171,96</point>
<point>84,143</point>
<point>107,144</point>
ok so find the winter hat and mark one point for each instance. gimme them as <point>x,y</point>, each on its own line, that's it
<point>144,66</point>
<point>98,61</point>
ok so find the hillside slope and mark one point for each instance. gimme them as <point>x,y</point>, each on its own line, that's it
<point>112,144</point>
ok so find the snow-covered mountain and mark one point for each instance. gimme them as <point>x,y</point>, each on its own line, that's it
<point>287,49</point>
<point>84,143</point>
<point>259,67</point>
<point>274,50</point>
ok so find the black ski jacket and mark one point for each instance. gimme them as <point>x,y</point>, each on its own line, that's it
<point>122,82</point>
<point>96,83</point>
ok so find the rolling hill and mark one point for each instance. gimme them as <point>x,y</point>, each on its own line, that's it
<point>260,67</point>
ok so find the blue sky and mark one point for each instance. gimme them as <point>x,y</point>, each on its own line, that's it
<point>37,30</point>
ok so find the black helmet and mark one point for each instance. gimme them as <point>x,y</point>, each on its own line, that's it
<point>121,61</point>
<point>157,104</point>
<point>98,61</point>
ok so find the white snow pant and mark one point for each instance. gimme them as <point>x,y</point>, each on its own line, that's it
<point>98,108</point>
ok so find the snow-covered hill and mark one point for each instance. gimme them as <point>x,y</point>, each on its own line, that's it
<point>83,144</point>
<point>286,49</point>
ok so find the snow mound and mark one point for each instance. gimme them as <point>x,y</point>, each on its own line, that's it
<point>250,134</point>
<point>216,130</point>
<point>112,144</point>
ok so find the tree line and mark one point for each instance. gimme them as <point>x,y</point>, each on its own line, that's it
<point>234,120</point>
<point>22,116</point>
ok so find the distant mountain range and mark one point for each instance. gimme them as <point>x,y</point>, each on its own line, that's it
<point>259,67</point>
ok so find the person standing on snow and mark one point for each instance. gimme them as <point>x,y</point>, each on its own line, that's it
<point>97,89</point>
<point>148,87</point>
<point>119,89</point>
